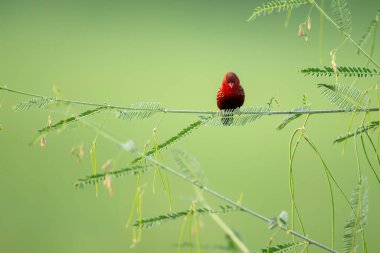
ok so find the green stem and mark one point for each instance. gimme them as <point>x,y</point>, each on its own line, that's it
<point>348,36</point>
<point>321,26</point>
<point>327,173</point>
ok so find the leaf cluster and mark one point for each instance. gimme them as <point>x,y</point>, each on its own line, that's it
<point>69,120</point>
<point>127,171</point>
<point>141,110</point>
<point>362,129</point>
<point>358,218</point>
<point>341,71</point>
<point>237,117</point>
<point>343,96</point>
<point>341,15</point>
<point>182,134</point>
<point>276,6</point>
<point>158,220</point>
<point>39,102</point>
<point>370,30</point>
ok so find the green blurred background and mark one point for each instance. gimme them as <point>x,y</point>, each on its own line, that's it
<point>175,53</point>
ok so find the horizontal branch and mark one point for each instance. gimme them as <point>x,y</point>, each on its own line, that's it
<point>374,109</point>
<point>198,112</point>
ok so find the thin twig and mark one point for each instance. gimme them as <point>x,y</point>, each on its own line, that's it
<point>348,36</point>
<point>178,111</point>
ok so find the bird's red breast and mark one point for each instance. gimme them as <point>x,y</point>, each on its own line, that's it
<point>231,93</point>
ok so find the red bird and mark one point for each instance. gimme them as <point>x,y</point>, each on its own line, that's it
<point>230,95</point>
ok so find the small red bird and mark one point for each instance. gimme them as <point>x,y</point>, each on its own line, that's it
<point>230,95</point>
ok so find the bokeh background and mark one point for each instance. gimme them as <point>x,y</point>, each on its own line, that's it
<point>175,53</point>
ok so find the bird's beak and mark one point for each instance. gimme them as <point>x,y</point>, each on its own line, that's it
<point>231,84</point>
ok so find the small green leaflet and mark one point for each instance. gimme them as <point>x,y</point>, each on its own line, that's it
<point>276,6</point>
<point>140,110</point>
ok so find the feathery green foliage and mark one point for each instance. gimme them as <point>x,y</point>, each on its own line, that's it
<point>127,171</point>
<point>72,119</point>
<point>370,30</point>
<point>276,6</point>
<point>341,71</point>
<point>39,102</point>
<point>158,220</point>
<point>189,166</point>
<point>182,134</point>
<point>357,220</point>
<point>341,15</point>
<point>358,131</point>
<point>292,117</point>
<point>344,97</point>
<point>237,117</point>
<point>282,248</point>
<point>141,110</point>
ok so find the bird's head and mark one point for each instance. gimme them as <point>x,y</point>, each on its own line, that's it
<point>231,79</point>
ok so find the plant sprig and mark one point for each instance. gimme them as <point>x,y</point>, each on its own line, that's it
<point>158,220</point>
<point>276,6</point>
<point>341,71</point>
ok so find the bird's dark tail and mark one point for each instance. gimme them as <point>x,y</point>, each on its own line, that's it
<point>227,117</point>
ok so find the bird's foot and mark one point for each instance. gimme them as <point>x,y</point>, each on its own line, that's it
<point>237,111</point>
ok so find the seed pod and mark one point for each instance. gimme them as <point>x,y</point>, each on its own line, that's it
<point>43,142</point>
<point>333,61</point>
<point>301,31</point>
<point>309,24</point>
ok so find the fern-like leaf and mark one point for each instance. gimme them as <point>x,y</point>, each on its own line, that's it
<point>141,110</point>
<point>341,15</point>
<point>238,117</point>
<point>283,248</point>
<point>370,30</point>
<point>135,168</point>
<point>72,119</point>
<point>34,102</point>
<point>373,125</point>
<point>341,71</point>
<point>292,117</point>
<point>182,134</point>
<point>127,171</point>
<point>344,97</point>
<point>276,6</point>
<point>189,166</point>
<point>357,219</point>
<point>158,220</point>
